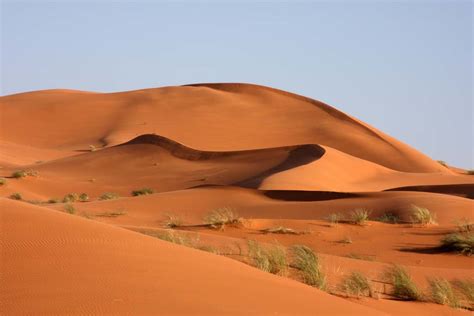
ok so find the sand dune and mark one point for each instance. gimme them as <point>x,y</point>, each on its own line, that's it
<point>275,158</point>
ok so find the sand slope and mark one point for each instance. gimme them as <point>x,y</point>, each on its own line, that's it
<point>87,267</point>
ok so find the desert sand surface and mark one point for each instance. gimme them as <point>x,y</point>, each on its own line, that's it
<point>285,169</point>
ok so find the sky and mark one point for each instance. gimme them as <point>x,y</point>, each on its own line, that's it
<point>405,67</point>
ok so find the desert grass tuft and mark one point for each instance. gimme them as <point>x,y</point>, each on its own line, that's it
<point>465,225</point>
<point>143,191</point>
<point>356,284</point>
<point>442,292</point>
<point>403,285</point>
<point>220,217</point>
<point>175,237</point>
<point>70,197</point>
<point>19,174</point>
<point>16,196</point>
<point>109,196</point>
<point>361,257</point>
<point>69,208</point>
<point>360,216</point>
<point>422,216</point>
<point>334,219</point>
<point>111,214</point>
<point>270,259</point>
<point>3,181</point>
<point>307,262</point>
<point>280,230</point>
<point>465,288</point>
<point>83,197</point>
<point>389,218</point>
<point>459,242</point>
<point>346,240</point>
<point>172,221</point>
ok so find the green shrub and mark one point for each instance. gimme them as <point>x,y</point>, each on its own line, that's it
<point>220,217</point>
<point>69,209</point>
<point>109,196</point>
<point>422,216</point>
<point>83,197</point>
<point>356,284</point>
<point>16,196</point>
<point>70,197</point>
<point>459,242</point>
<point>143,191</point>
<point>403,286</point>
<point>360,216</point>
<point>442,292</point>
<point>271,259</point>
<point>307,262</point>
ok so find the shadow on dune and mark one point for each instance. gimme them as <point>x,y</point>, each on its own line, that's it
<point>462,190</point>
<point>289,195</point>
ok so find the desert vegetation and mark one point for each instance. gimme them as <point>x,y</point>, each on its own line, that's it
<point>442,292</point>
<point>308,264</point>
<point>69,208</point>
<point>462,242</point>
<point>111,213</point>
<point>360,216</point>
<point>3,181</point>
<point>334,219</point>
<point>220,217</point>
<point>269,259</point>
<point>23,174</point>
<point>109,196</point>
<point>173,221</point>
<point>356,284</point>
<point>403,285</point>
<point>143,191</point>
<point>16,196</point>
<point>422,216</point>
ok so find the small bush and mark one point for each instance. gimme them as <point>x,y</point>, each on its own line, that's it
<point>280,230</point>
<point>459,242</point>
<point>83,197</point>
<point>360,216</point>
<point>271,259</point>
<point>442,292</point>
<point>356,284</point>
<point>307,262</point>
<point>389,218</point>
<point>403,286</point>
<point>422,216</point>
<point>220,217</point>
<point>16,196</point>
<point>69,209</point>
<point>109,196</point>
<point>111,214</point>
<point>466,289</point>
<point>70,197</point>
<point>3,181</point>
<point>465,225</point>
<point>173,221</point>
<point>143,191</point>
<point>19,174</point>
<point>334,219</point>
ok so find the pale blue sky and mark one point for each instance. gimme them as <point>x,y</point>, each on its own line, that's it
<point>405,67</point>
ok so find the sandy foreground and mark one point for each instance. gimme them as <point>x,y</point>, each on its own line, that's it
<point>275,159</point>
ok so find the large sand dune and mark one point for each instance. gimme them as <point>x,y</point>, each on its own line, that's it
<point>275,158</point>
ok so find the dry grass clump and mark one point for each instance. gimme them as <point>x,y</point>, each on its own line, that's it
<point>403,286</point>
<point>334,219</point>
<point>269,259</point>
<point>356,284</point>
<point>24,173</point>
<point>3,181</point>
<point>389,218</point>
<point>465,290</point>
<point>172,221</point>
<point>459,242</point>
<point>361,257</point>
<point>109,196</point>
<point>83,197</point>
<point>307,262</point>
<point>465,225</point>
<point>16,196</point>
<point>111,214</point>
<point>422,216</point>
<point>280,230</point>
<point>143,191</point>
<point>71,197</point>
<point>360,216</point>
<point>442,292</point>
<point>221,217</point>
<point>69,209</point>
<point>175,237</point>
